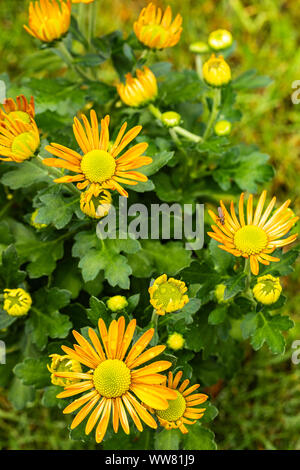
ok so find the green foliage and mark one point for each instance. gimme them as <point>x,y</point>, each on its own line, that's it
<point>70,270</point>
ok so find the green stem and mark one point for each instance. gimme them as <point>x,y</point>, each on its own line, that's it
<point>176,129</point>
<point>198,61</point>
<point>214,112</point>
<point>92,18</point>
<point>155,111</point>
<point>81,17</point>
<point>154,320</point>
<point>188,135</point>
<point>68,59</point>
<point>248,291</point>
<point>5,208</point>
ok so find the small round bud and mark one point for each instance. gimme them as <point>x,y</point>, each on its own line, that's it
<point>220,39</point>
<point>175,341</point>
<point>117,303</point>
<point>170,118</point>
<point>216,72</point>
<point>219,294</point>
<point>222,128</point>
<point>199,47</point>
<point>17,302</point>
<point>267,289</point>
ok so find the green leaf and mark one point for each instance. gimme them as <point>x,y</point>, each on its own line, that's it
<point>159,160</point>
<point>96,256</point>
<point>155,257</point>
<point>20,395</point>
<point>56,209</point>
<point>6,320</point>
<point>218,315</point>
<point>234,285</point>
<point>250,80</point>
<point>49,397</point>
<point>221,259</point>
<point>253,170</point>
<point>9,270</point>
<point>285,265</point>
<point>33,371</point>
<point>25,175</point>
<point>167,439</point>
<point>97,310</point>
<point>199,438</point>
<point>45,319</point>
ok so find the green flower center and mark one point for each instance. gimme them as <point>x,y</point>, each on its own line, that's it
<point>98,166</point>
<point>167,293</point>
<point>250,239</point>
<point>175,410</point>
<point>112,378</point>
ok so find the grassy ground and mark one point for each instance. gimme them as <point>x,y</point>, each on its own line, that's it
<point>258,409</point>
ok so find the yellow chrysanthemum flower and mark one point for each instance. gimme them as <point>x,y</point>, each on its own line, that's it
<point>216,72</point>
<point>49,20</point>
<point>256,237</point>
<point>140,90</point>
<point>19,140</point>
<point>19,109</point>
<point>181,411</point>
<point>98,167</point>
<point>17,302</point>
<point>96,207</point>
<point>222,127</point>
<point>175,341</point>
<point>267,289</point>
<point>63,364</point>
<point>34,223</point>
<point>155,29</point>
<point>112,381</point>
<point>220,39</point>
<point>117,303</point>
<point>167,295</point>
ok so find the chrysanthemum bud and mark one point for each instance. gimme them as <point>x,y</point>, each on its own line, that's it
<point>63,364</point>
<point>267,289</point>
<point>216,72</point>
<point>170,118</point>
<point>17,302</point>
<point>220,39</point>
<point>222,128</point>
<point>175,341</point>
<point>168,295</point>
<point>219,293</point>
<point>117,303</point>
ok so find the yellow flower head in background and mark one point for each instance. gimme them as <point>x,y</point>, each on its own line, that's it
<point>17,302</point>
<point>220,39</point>
<point>140,90</point>
<point>114,384</point>
<point>19,140</point>
<point>182,410</point>
<point>175,341</point>
<point>18,109</point>
<point>63,364</point>
<point>219,293</point>
<point>216,72</point>
<point>155,29</point>
<point>83,1</point>
<point>167,295</point>
<point>267,289</point>
<point>49,20</point>
<point>258,235</point>
<point>96,207</point>
<point>100,166</point>
<point>117,303</point>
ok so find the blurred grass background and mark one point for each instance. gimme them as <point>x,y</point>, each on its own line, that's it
<point>259,409</point>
